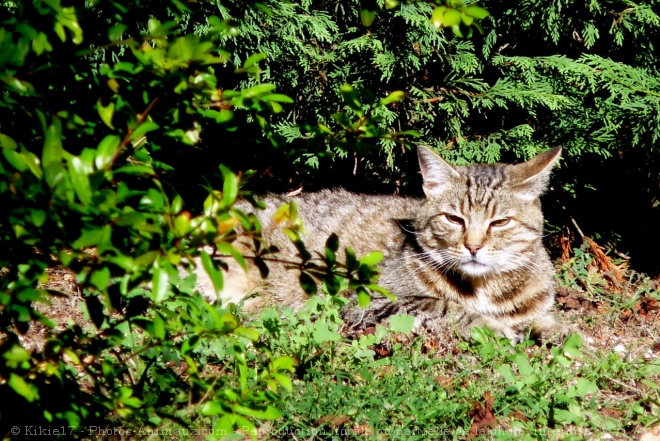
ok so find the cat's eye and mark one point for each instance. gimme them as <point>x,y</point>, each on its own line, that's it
<point>454,219</point>
<point>500,222</point>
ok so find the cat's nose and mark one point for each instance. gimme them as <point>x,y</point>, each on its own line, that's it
<point>473,248</point>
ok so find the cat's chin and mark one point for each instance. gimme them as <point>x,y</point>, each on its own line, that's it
<point>475,269</point>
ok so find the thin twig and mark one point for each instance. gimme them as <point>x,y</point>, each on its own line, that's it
<point>127,139</point>
<point>577,228</point>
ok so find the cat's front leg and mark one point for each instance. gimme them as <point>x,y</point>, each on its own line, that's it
<point>462,321</point>
<point>468,320</point>
<point>549,329</point>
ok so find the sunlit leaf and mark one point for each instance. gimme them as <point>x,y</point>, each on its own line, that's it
<point>7,142</point>
<point>23,388</point>
<point>212,271</point>
<point>476,11</point>
<point>402,323</point>
<point>106,150</point>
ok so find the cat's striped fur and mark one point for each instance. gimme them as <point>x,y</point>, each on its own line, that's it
<point>469,254</point>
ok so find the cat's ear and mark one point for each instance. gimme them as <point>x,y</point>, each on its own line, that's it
<point>532,176</point>
<point>437,174</point>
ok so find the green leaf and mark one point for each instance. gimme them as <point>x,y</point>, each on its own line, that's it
<point>116,31</point>
<point>572,346</point>
<point>160,283</point>
<point>283,363</point>
<point>16,356</point>
<point>476,11</point>
<point>279,98</point>
<point>351,260</point>
<point>106,113</point>
<point>16,159</point>
<point>402,323</point>
<point>227,248</point>
<point>100,278</point>
<point>585,387</point>
<point>367,17</point>
<point>23,388</point>
<point>372,258</point>
<point>258,90</point>
<point>67,18</point>
<point>308,284</point>
<point>212,408</point>
<point>523,365</point>
<point>89,238</point>
<point>507,373</point>
<point>284,381</point>
<point>159,327</point>
<point>332,283</point>
<point>565,416</point>
<point>20,86</point>
<point>268,413</point>
<point>383,291</point>
<point>52,151</point>
<point>254,59</point>
<point>351,98</point>
<point>105,151</point>
<point>190,344</point>
<point>212,271</point>
<point>396,96</point>
<point>248,333</point>
<point>227,322</point>
<point>332,243</point>
<point>7,143</point>
<point>131,218</point>
<point>322,332</point>
<point>391,4</point>
<point>437,16</point>
<point>229,187</point>
<point>451,17</point>
<point>37,217</point>
<point>78,173</point>
<point>143,129</point>
<point>363,297</point>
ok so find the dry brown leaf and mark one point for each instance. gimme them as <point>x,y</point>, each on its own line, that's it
<point>565,246</point>
<point>381,350</point>
<point>607,412</point>
<point>443,381</point>
<point>483,418</point>
<point>333,420</point>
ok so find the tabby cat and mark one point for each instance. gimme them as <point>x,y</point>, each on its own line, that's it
<point>469,254</point>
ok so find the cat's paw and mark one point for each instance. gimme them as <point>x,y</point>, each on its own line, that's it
<point>511,334</point>
<point>499,330</point>
<point>549,330</point>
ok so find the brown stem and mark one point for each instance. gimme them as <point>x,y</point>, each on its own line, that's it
<point>577,228</point>
<point>127,139</point>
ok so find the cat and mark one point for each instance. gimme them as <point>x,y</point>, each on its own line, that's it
<point>469,254</point>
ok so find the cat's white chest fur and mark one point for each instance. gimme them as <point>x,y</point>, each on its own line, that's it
<point>483,304</point>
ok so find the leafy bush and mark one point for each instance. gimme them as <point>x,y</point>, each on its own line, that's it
<point>84,189</point>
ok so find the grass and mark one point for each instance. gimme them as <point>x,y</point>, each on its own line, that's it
<point>601,383</point>
<point>385,383</point>
<point>425,389</point>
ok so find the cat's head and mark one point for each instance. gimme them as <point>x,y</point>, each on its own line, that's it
<point>480,220</point>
